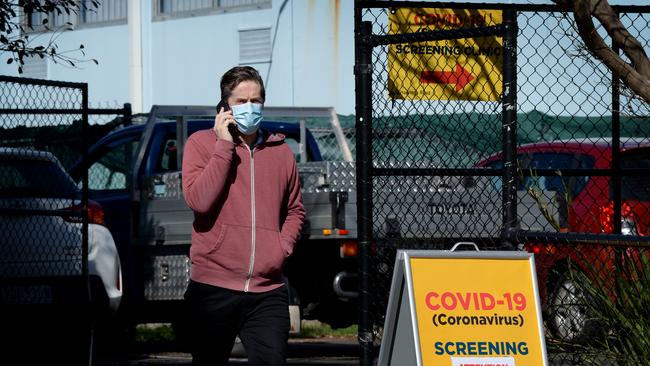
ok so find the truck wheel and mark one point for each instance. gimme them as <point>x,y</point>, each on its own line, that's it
<point>182,333</point>
<point>338,315</point>
<point>113,336</point>
<point>571,314</point>
<point>336,322</point>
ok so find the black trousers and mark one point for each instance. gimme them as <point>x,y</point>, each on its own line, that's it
<point>218,315</point>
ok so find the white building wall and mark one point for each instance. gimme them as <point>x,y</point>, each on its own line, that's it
<point>324,54</point>
<point>311,64</point>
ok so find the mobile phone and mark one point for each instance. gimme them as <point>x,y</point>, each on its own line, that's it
<point>231,128</point>
<point>222,104</point>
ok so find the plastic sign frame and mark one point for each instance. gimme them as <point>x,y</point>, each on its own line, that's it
<point>471,316</point>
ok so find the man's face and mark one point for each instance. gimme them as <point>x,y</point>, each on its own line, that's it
<point>244,92</point>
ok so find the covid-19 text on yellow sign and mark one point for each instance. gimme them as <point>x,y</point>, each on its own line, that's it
<point>485,312</point>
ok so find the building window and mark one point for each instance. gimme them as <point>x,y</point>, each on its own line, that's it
<point>254,45</point>
<point>35,20</point>
<point>184,6</point>
<point>181,8</point>
<point>109,12</point>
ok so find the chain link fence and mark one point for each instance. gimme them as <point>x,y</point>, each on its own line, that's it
<point>43,131</point>
<point>328,144</point>
<point>44,214</point>
<point>51,295</point>
<point>540,149</point>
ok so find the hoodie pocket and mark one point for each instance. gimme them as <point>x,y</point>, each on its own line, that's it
<point>204,243</point>
<point>287,249</point>
<point>270,254</point>
<point>221,235</point>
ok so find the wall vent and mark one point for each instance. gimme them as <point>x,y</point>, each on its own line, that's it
<point>254,45</point>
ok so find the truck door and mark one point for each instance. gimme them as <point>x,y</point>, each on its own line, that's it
<point>165,222</point>
<point>109,184</point>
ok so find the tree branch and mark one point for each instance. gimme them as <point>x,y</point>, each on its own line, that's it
<point>621,37</point>
<point>636,75</point>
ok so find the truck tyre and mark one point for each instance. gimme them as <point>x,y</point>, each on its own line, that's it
<point>113,335</point>
<point>181,329</point>
<point>338,315</point>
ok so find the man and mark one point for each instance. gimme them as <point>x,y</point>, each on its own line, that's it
<point>243,186</point>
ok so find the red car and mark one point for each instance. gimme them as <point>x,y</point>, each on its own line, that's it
<point>584,205</point>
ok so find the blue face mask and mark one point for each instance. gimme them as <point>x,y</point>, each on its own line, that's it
<point>248,117</point>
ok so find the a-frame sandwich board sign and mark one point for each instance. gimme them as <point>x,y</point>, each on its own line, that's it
<point>463,308</point>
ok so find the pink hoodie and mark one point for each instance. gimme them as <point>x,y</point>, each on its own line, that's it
<point>242,232</point>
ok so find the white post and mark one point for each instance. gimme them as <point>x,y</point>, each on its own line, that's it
<point>146,18</point>
<point>340,136</point>
<point>135,56</point>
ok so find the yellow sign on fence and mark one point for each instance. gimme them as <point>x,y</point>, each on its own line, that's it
<point>463,308</point>
<point>456,69</point>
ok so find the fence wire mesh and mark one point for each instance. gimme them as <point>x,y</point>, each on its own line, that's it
<point>43,219</point>
<point>582,156</point>
<point>328,144</point>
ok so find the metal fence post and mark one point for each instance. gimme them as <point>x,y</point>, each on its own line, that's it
<point>84,179</point>
<point>616,179</point>
<point>84,231</point>
<point>509,127</point>
<point>128,115</point>
<point>616,149</point>
<point>363,81</point>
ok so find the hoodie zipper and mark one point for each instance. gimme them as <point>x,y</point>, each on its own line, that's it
<point>252,258</point>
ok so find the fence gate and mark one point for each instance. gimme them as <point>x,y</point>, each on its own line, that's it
<point>489,123</point>
<point>43,212</point>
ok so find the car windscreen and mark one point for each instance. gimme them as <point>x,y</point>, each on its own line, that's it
<point>34,178</point>
<point>558,161</point>
<point>636,187</point>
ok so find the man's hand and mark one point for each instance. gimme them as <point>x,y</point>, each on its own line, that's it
<point>221,123</point>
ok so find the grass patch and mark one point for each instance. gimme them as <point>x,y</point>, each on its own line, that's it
<point>316,329</point>
<point>164,333</point>
<point>154,333</point>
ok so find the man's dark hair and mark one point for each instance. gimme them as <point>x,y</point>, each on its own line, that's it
<point>235,76</point>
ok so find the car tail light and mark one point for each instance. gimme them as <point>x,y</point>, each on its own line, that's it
<point>539,249</point>
<point>95,213</point>
<point>628,223</point>
<point>349,249</point>
<point>535,248</point>
<point>628,226</point>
